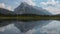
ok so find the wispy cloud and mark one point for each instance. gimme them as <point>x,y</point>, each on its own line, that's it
<point>9,7</point>
<point>3,5</point>
<point>30,2</point>
<point>52,6</point>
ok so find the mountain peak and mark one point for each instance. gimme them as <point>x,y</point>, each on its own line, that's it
<point>25,8</point>
<point>23,3</point>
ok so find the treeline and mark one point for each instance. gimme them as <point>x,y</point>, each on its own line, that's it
<point>29,15</point>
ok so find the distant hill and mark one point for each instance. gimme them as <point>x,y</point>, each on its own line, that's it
<point>6,12</point>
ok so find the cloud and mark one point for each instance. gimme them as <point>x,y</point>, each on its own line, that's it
<point>30,2</point>
<point>52,6</point>
<point>51,2</point>
<point>53,10</point>
<point>3,5</point>
<point>9,7</point>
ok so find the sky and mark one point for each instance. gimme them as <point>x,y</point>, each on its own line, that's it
<point>52,6</point>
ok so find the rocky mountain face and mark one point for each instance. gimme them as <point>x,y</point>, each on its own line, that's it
<point>25,8</point>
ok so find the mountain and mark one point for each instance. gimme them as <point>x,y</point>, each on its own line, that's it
<point>25,8</point>
<point>6,12</point>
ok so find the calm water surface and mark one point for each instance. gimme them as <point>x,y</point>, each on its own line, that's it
<point>42,27</point>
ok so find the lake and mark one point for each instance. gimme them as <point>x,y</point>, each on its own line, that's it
<point>40,27</point>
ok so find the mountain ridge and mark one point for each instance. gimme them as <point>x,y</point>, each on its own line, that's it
<point>24,8</point>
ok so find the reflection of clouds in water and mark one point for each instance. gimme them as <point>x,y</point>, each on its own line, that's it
<point>10,29</point>
<point>52,28</point>
<point>26,26</point>
<point>2,29</point>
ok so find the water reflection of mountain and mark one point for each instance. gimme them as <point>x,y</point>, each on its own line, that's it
<point>28,25</point>
<point>13,30</point>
